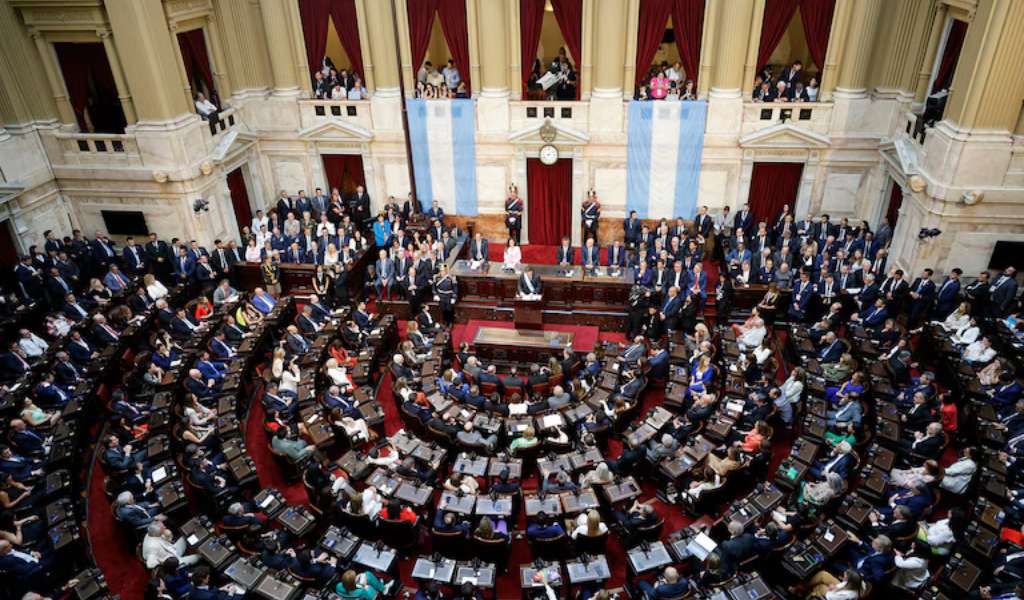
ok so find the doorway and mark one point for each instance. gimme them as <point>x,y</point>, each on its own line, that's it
<point>892,211</point>
<point>345,172</point>
<point>240,198</point>
<point>772,186</point>
<point>549,201</point>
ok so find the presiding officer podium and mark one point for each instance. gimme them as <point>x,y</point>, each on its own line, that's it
<point>527,314</point>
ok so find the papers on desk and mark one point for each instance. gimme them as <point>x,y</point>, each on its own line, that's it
<point>192,539</point>
<point>267,501</point>
<point>476,264</point>
<point>701,546</point>
<point>159,474</point>
<point>517,409</point>
<point>550,421</point>
<point>529,296</point>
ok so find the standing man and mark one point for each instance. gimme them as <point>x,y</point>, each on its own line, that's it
<point>514,213</point>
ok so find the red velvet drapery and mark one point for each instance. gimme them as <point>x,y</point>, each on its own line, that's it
<point>950,56</point>
<point>569,14</point>
<point>816,16</point>
<point>688,25</point>
<point>550,201</point>
<point>194,55</point>
<point>344,171</point>
<point>90,85</point>
<point>650,32</point>
<point>313,14</point>
<point>239,198</point>
<point>773,185</point>
<point>346,23</point>
<point>777,15</point>
<point>531,18</point>
<point>892,212</point>
<point>453,23</point>
<point>421,21</point>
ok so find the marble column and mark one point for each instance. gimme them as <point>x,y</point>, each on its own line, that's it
<point>987,88</point>
<point>276,24</point>
<point>924,75</point>
<point>123,93</point>
<point>387,106</point>
<point>860,41</point>
<point>65,112</point>
<point>493,96</point>
<point>606,100</point>
<point>25,75</point>
<point>143,42</point>
<point>733,22</point>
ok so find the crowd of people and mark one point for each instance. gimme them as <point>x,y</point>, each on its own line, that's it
<point>866,346</point>
<point>788,86</point>
<point>447,83</point>
<point>330,83</point>
<point>665,82</point>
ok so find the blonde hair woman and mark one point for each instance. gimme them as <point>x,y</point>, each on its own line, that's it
<point>154,288</point>
<point>589,524</point>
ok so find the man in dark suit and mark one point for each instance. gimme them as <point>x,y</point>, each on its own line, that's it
<point>921,295</point>
<point>565,254</point>
<point>359,206</point>
<point>590,254</point>
<point>668,585</point>
<point>743,220</point>
<point>791,75</point>
<point>1002,293</point>
<point>103,251</point>
<point>616,255</point>
<point>832,348</point>
<point>529,282</point>
<point>435,211</point>
<point>134,258</point>
<point>739,546</point>
<point>703,223</point>
<point>513,380</point>
<point>631,228</point>
<point>948,295</point>
<point>295,344</point>
<point>479,248</point>
<point>670,309</point>
<point>103,333</point>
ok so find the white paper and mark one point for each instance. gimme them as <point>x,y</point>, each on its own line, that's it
<point>159,474</point>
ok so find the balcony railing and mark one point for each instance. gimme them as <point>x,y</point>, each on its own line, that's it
<point>315,112</point>
<point>87,149</point>
<point>525,113</point>
<point>815,116</point>
<point>226,122</point>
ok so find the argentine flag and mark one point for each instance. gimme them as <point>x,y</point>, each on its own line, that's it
<point>665,140</point>
<point>442,135</point>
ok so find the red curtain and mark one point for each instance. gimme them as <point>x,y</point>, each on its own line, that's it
<point>773,185</point>
<point>239,198</point>
<point>950,56</point>
<point>816,16</point>
<point>453,23</point>
<point>90,85</point>
<point>688,26</point>
<point>344,171</point>
<point>651,30</point>
<point>421,21</point>
<point>346,23</point>
<point>193,53</point>
<point>569,14</point>
<point>549,201</point>
<point>75,68</point>
<point>314,29</point>
<point>895,202</point>
<point>777,15</point>
<point>531,17</point>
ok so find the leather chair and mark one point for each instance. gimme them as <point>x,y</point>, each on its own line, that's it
<point>554,548</point>
<point>400,535</point>
<point>495,551</point>
<point>450,543</point>
<point>594,545</point>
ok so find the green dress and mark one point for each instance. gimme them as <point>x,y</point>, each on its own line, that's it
<point>367,593</point>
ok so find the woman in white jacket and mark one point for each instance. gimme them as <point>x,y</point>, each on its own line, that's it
<point>959,474</point>
<point>792,390</point>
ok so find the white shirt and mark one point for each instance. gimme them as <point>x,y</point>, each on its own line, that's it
<point>33,345</point>
<point>955,321</point>
<point>912,572</point>
<point>513,256</point>
<point>339,377</point>
<point>958,475</point>
<point>252,254</point>
<point>977,352</point>
<point>205,107</point>
<point>355,94</point>
<point>155,550</point>
<point>156,290</point>
<point>966,335</point>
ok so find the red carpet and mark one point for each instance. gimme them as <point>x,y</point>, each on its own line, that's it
<point>126,576</point>
<point>585,336</point>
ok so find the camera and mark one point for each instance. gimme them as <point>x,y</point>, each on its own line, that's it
<point>200,205</point>
<point>927,233</point>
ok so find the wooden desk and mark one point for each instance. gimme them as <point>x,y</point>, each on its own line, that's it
<point>522,345</point>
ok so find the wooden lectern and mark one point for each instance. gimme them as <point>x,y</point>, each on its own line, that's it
<point>527,314</point>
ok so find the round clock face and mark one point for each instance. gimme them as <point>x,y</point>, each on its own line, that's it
<point>548,154</point>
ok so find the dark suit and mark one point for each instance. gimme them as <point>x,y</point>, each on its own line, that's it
<point>534,282</point>
<point>479,250</point>
<point>565,254</point>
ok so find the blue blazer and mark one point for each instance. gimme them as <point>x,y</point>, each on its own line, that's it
<point>618,260</point>
<point>595,255</point>
<point>565,255</point>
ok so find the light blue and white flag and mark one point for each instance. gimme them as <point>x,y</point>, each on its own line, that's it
<point>442,135</point>
<point>665,141</point>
